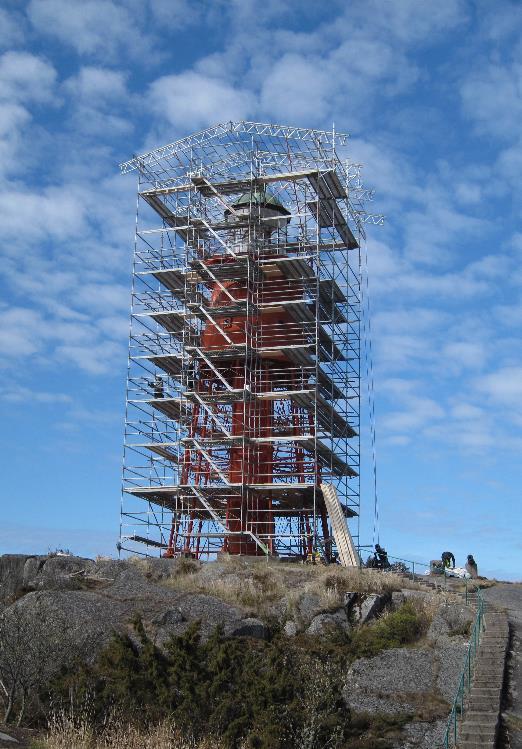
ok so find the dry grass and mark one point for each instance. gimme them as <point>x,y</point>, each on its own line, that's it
<point>66,731</point>
<point>429,706</point>
<point>259,586</point>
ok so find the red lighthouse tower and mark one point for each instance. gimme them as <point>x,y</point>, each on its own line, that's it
<point>243,391</point>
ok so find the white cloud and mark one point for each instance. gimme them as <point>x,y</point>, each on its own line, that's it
<point>175,13</point>
<point>20,333</point>
<point>13,122</point>
<point>509,163</point>
<point>24,395</point>
<point>509,314</point>
<point>193,100</point>
<point>431,230</point>
<point>26,78</point>
<point>467,411</point>
<point>408,20</point>
<point>12,29</point>
<point>297,89</point>
<point>314,88</point>
<point>95,28</point>
<point>102,297</point>
<point>461,355</point>
<point>57,212</point>
<point>503,386</point>
<point>25,82</point>
<point>500,20</point>
<point>98,85</point>
<point>492,97</point>
<point>416,413</point>
<point>468,193</point>
<point>97,359</point>
<point>96,95</point>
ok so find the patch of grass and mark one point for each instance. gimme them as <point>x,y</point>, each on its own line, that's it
<point>378,731</point>
<point>429,706</point>
<point>462,630</point>
<point>513,721</point>
<point>259,585</point>
<point>393,630</point>
<point>67,731</point>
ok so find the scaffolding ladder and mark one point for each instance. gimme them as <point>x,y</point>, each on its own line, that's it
<point>348,555</point>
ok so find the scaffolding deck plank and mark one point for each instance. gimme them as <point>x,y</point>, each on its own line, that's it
<point>172,365</point>
<point>327,415</point>
<point>327,457</point>
<point>173,280</point>
<point>173,408</point>
<point>174,321</point>
<point>229,187</point>
<point>329,190</point>
<point>145,540</point>
<point>286,495</point>
<point>313,445</point>
<point>159,448</point>
<point>176,279</point>
<point>169,363</point>
<point>202,311</point>
<point>305,312</point>
<point>183,225</point>
<point>223,270</point>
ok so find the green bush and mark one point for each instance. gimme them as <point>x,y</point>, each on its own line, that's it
<point>246,692</point>
<point>392,631</point>
<point>273,694</point>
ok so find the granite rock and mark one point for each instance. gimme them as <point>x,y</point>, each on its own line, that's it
<point>323,624</point>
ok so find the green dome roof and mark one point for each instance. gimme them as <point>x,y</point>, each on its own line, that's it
<point>261,197</point>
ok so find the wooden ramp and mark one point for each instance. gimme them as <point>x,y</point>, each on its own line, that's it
<point>348,555</point>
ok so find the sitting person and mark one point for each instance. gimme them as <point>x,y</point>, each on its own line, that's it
<point>382,556</point>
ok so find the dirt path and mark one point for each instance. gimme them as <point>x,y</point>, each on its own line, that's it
<point>509,596</point>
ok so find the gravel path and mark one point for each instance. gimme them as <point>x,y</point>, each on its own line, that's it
<point>509,596</point>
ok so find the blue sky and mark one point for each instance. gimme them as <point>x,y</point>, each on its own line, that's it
<point>431,94</point>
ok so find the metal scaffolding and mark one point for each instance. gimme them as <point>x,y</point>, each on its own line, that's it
<point>243,391</point>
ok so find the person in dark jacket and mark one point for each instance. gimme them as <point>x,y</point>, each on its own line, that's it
<point>471,566</point>
<point>448,560</point>
<point>382,557</point>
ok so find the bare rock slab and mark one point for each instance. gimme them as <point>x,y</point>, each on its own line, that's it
<point>251,627</point>
<point>370,607</point>
<point>5,737</point>
<point>323,624</point>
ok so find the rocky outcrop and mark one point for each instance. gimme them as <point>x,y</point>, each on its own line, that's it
<point>419,683</point>
<point>81,603</point>
<point>368,607</point>
<point>12,578</point>
<point>23,573</point>
<point>450,621</point>
<point>324,624</point>
<point>308,606</point>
